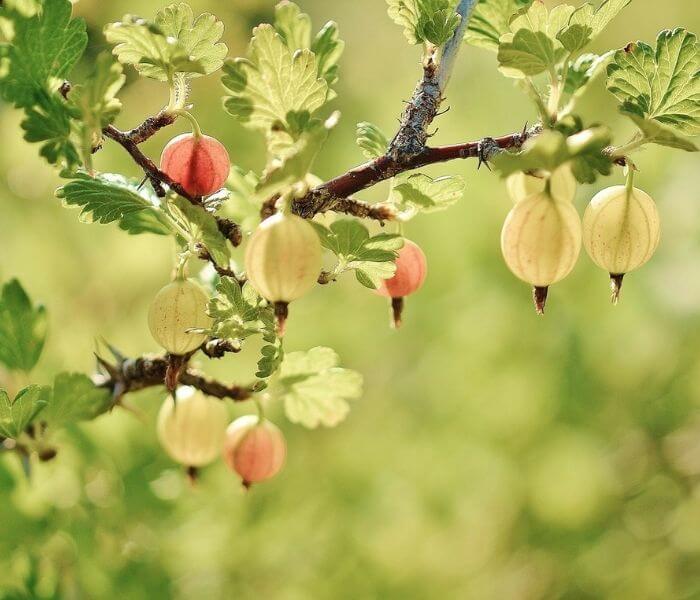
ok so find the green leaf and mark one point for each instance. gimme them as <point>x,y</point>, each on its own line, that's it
<point>107,198</point>
<point>293,25</point>
<point>239,313</point>
<point>315,390</point>
<point>43,50</point>
<point>204,229</point>
<point>372,140</point>
<point>490,20</point>
<point>272,83</point>
<point>49,123</point>
<point>583,71</point>
<point>597,19</point>
<point>96,104</point>
<point>243,206</point>
<point>150,50</point>
<point>292,159</point>
<point>657,133</point>
<point>23,328</point>
<point>328,48</point>
<point>16,415</point>
<point>416,193</point>
<point>75,398</point>
<point>198,37</point>
<point>529,53</point>
<point>371,257</point>
<point>425,21</point>
<point>551,149</point>
<point>661,86</point>
<point>575,37</point>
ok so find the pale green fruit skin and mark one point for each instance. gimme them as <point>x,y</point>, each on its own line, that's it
<point>621,233</point>
<point>541,240</point>
<point>563,185</point>
<point>283,258</point>
<point>192,431</point>
<point>179,306</point>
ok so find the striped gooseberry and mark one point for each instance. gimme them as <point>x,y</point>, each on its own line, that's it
<point>283,260</point>
<point>541,242</point>
<point>199,163</point>
<point>176,309</point>
<point>254,448</point>
<point>621,231</point>
<point>192,427</point>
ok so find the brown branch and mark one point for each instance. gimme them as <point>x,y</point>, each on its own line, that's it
<point>334,194</point>
<point>131,375</point>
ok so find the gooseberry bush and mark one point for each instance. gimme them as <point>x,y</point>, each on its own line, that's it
<point>284,90</point>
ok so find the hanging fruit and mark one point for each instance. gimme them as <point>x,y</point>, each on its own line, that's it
<point>199,163</point>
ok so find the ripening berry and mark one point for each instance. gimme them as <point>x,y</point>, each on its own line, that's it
<point>283,260</point>
<point>192,429</point>
<point>562,185</point>
<point>541,241</point>
<point>411,269</point>
<point>254,448</point>
<point>200,164</point>
<point>621,231</point>
<point>177,308</point>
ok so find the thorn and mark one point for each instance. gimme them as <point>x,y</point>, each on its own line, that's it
<point>396,312</point>
<point>143,182</point>
<point>442,112</point>
<point>116,353</point>
<point>111,369</point>
<point>539,295</point>
<point>429,135</point>
<point>616,287</point>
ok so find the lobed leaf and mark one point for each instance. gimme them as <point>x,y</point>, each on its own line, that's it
<point>490,20</point>
<point>109,198</point>
<point>18,414</point>
<point>425,21</point>
<point>75,398</point>
<point>371,257</point>
<point>414,193</point>
<point>660,87</point>
<point>315,391</point>
<point>199,37</point>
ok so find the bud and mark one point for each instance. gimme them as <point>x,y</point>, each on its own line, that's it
<point>254,448</point>
<point>192,429</point>
<point>178,307</point>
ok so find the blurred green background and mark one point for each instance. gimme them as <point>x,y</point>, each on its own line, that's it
<point>494,454</point>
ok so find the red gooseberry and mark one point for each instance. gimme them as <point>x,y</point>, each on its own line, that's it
<point>200,164</point>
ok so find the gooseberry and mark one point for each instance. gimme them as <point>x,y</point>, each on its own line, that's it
<point>411,270</point>
<point>283,260</point>
<point>254,448</point>
<point>621,231</point>
<point>199,163</point>
<point>178,308</point>
<point>541,241</point>
<point>192,428</point>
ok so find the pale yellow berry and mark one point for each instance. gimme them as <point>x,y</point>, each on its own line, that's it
<point>283,258</point>
<point>177,308</point>
<point>621,229</point>
<point>541,239</point>
<point>192,430</point>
